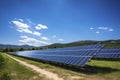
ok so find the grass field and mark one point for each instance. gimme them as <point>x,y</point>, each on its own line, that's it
<point>106,69</point>
<point>95,70</point>
<point>12,70</point>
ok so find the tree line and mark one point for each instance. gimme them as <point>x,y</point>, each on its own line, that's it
<point>18,49</point>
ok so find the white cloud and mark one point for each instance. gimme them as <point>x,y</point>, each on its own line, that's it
<point>44,38</point>
<point>91,28</point>
<point>103,28</point>
<point>37,33</point>
<point>32,41</point>
<point>111,29</point>
<point>60,39</point>
<point>24,30</point>
<point>97,32</point>
<point>23,36</point>
<point>40,26</point>
<point>22,27</point>
<point>20,24</point>
<point>20,20</point>
<point>29,21</point>
<point>54,36</point>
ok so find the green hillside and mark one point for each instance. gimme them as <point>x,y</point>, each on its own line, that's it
<point>107,43</point>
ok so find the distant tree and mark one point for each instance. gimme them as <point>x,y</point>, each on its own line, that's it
<point>55,47</point>
<point>5,50</point>
<point>28,49</point>
<point>0,50</point>
<point>33,48</point>
<point>11,50</point>
<point>40,48</point>
<point>21,49</point>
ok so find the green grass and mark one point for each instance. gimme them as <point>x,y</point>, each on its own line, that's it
<point>16,71</point>
<point>106,69</point>
<point>95,70</point>
<point>64,73</point>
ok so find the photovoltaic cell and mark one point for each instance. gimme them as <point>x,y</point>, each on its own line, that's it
<point>77,56</point>
<point>108,53</point>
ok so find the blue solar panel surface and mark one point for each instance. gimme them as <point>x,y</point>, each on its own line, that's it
<point>77,56</point>
<point>108,53</point>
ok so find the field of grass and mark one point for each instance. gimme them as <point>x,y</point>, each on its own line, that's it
<point>12,70</point>
<point>109,70</point>
<point>64,73</point>
<point>95,70</point>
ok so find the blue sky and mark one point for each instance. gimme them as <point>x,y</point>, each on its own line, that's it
<point>42,22</point>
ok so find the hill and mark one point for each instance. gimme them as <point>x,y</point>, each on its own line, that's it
<point>3,46</point>
<point>107,43</point>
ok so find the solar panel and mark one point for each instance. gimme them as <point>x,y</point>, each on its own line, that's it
<point>108,53</point>
<point>77,56</point>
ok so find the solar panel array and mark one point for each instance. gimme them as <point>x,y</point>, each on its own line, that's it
<point>77,56</point>
<point>108,53</point>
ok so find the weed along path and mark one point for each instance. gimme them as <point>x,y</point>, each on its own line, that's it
<point>48,74</point>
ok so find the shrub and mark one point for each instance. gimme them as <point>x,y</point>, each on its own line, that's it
<point>2,61</point>
<point>5,75</point>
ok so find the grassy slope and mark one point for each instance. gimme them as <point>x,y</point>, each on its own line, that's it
<point>64,73</point>
<point>108,44</point>
<point>17,71</point>
<point>96,70</point>
<point>106,69</point>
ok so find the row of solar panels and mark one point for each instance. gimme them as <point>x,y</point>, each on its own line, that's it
<point>73,60</point>
<point>61,52</point>
<point>77,56</point>
<point>108,53</point>
<point>65,59</point>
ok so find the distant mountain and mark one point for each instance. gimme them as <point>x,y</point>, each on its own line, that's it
<point>107,43</point>
<point>15,46</point>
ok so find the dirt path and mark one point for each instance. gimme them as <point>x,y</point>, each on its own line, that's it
<point>38,70</point>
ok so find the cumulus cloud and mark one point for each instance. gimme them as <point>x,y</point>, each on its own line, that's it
<point>40,26</point>
<point>22,27</point>
<point>29,21</point>
<point>37,33</point>
<point>20,24</point>
<point>97,32</point>
<point>111,29</point>
<point>44,38</point>
<point>103,28</point>
<point>23,36</point>
<point>54,36</point>
<point>60,39</point>
<point>27,26</point>
<point>91,28</point>
<point>106,28</point>
<point>32,41</point>
<point>20,20</point>
<point>57,38</point>
<point>24,30</point>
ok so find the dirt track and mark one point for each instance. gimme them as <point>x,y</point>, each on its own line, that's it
<point>48,74</point>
